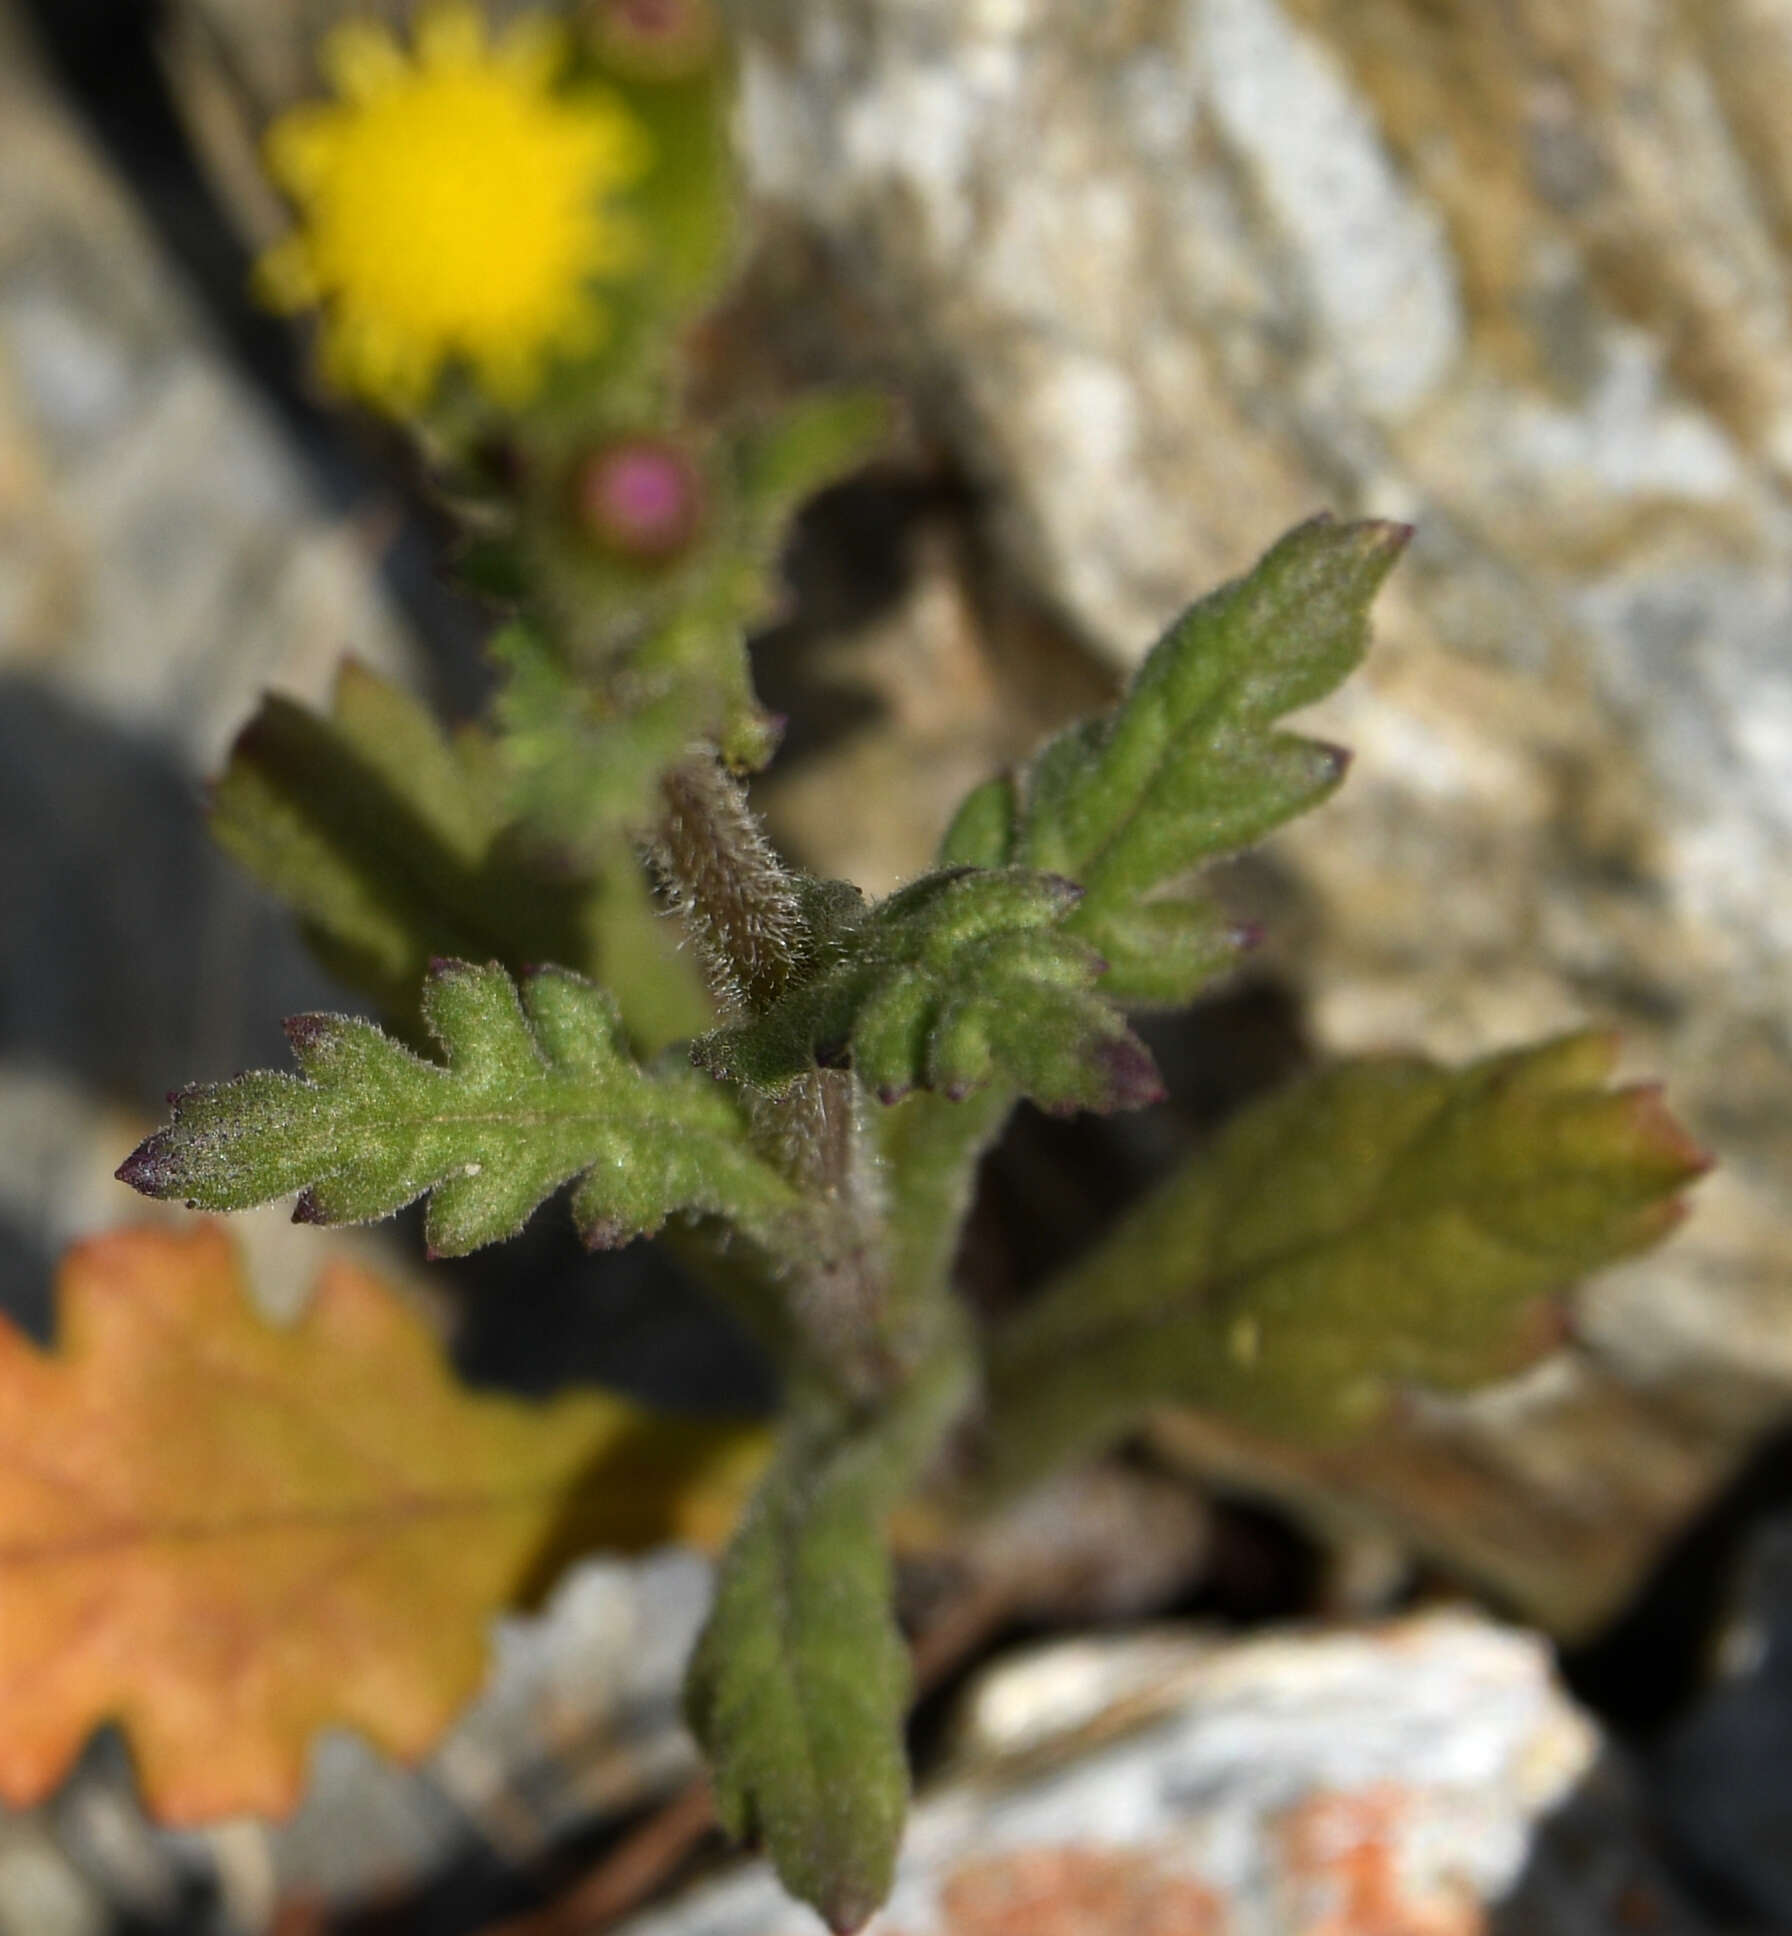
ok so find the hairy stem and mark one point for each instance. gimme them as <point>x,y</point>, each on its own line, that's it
<point>731,887</point>
<point>742,909</point>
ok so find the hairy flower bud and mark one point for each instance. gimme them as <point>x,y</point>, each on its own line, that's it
<point>640,498</point>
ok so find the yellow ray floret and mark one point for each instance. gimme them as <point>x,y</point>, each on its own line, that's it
<point>453,205</point>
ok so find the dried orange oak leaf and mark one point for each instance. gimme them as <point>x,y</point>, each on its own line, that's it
<point>224,1535</point>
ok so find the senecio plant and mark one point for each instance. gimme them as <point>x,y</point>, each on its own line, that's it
<point>508,240</point>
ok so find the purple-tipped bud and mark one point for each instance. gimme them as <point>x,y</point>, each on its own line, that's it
<point>654,40</point>
<point>640,499</point>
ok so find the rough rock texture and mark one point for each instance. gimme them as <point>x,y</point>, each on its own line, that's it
<point>1170,274</point>
<point>1387,1781</point>
<point>162,556</point>
<point>1162,277</point>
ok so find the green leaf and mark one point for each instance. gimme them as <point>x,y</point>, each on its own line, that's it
<point>983,829</point>
<point>687,203</point>
<point>584,766</point>
<point>813,441</point>
<point>1390,1222</point>
<point>800,1683</point>
<point>535,1093</point>
<point>962,978</point>
<point>1190,766</point>
<point>389,842</point>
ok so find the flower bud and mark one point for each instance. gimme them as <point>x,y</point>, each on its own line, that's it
<point>640,498</point>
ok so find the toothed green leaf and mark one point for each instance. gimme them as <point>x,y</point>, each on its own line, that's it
<point>535,1093</point>
<point>1190,766</point>
<point>1389,1222</point>
<point>800,1683</point>
<point>964,978</point>
<point>814,441</point>
<point>983,829</point>
<point>388,840</point>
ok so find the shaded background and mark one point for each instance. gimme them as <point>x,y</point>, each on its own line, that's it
<point>1155,279</point>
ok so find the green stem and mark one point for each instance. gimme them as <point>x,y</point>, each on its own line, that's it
<point>743,911</point>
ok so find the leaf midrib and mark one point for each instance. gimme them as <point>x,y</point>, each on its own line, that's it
<point>393,1514</point>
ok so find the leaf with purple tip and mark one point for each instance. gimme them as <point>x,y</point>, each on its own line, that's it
<point>1192,764</point>
<point>1389,1222</point>
<point>537,1091</point>
<point>964,978</point>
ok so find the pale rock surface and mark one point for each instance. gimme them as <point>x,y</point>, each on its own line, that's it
<point>1170,274</point>
<point>163,559</point>
<point>41,1891</point>
<point>1394,1779</point>
<point>579,1720</point>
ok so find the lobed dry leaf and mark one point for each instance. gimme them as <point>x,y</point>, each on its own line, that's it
<point>225,1535</point>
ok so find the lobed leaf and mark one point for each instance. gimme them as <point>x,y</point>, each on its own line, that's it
<point>388,840</point>
<point>966,977</point>
<point>535,1093</point>
<point>1390,1222</point>
<point>1191,765</point>
<point>224,1535</point>
<point>800,1683</point>
<point>812,442</point>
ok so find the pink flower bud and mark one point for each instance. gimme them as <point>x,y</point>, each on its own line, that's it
<point>641,498</point>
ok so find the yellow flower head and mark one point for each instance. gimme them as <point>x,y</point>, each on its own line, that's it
<point>452,205</point>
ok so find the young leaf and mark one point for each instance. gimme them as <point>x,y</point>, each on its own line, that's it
<point>964,977</point>
<point>535,1093</point>
<point>686,204</point>
<point>1390,1222</point>
<point>225,1535</point>
<point>582,760</point>
<point>387,840</point>
<point>814,441</point>
<point>800,1682</point>
<point>1190,766</point>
